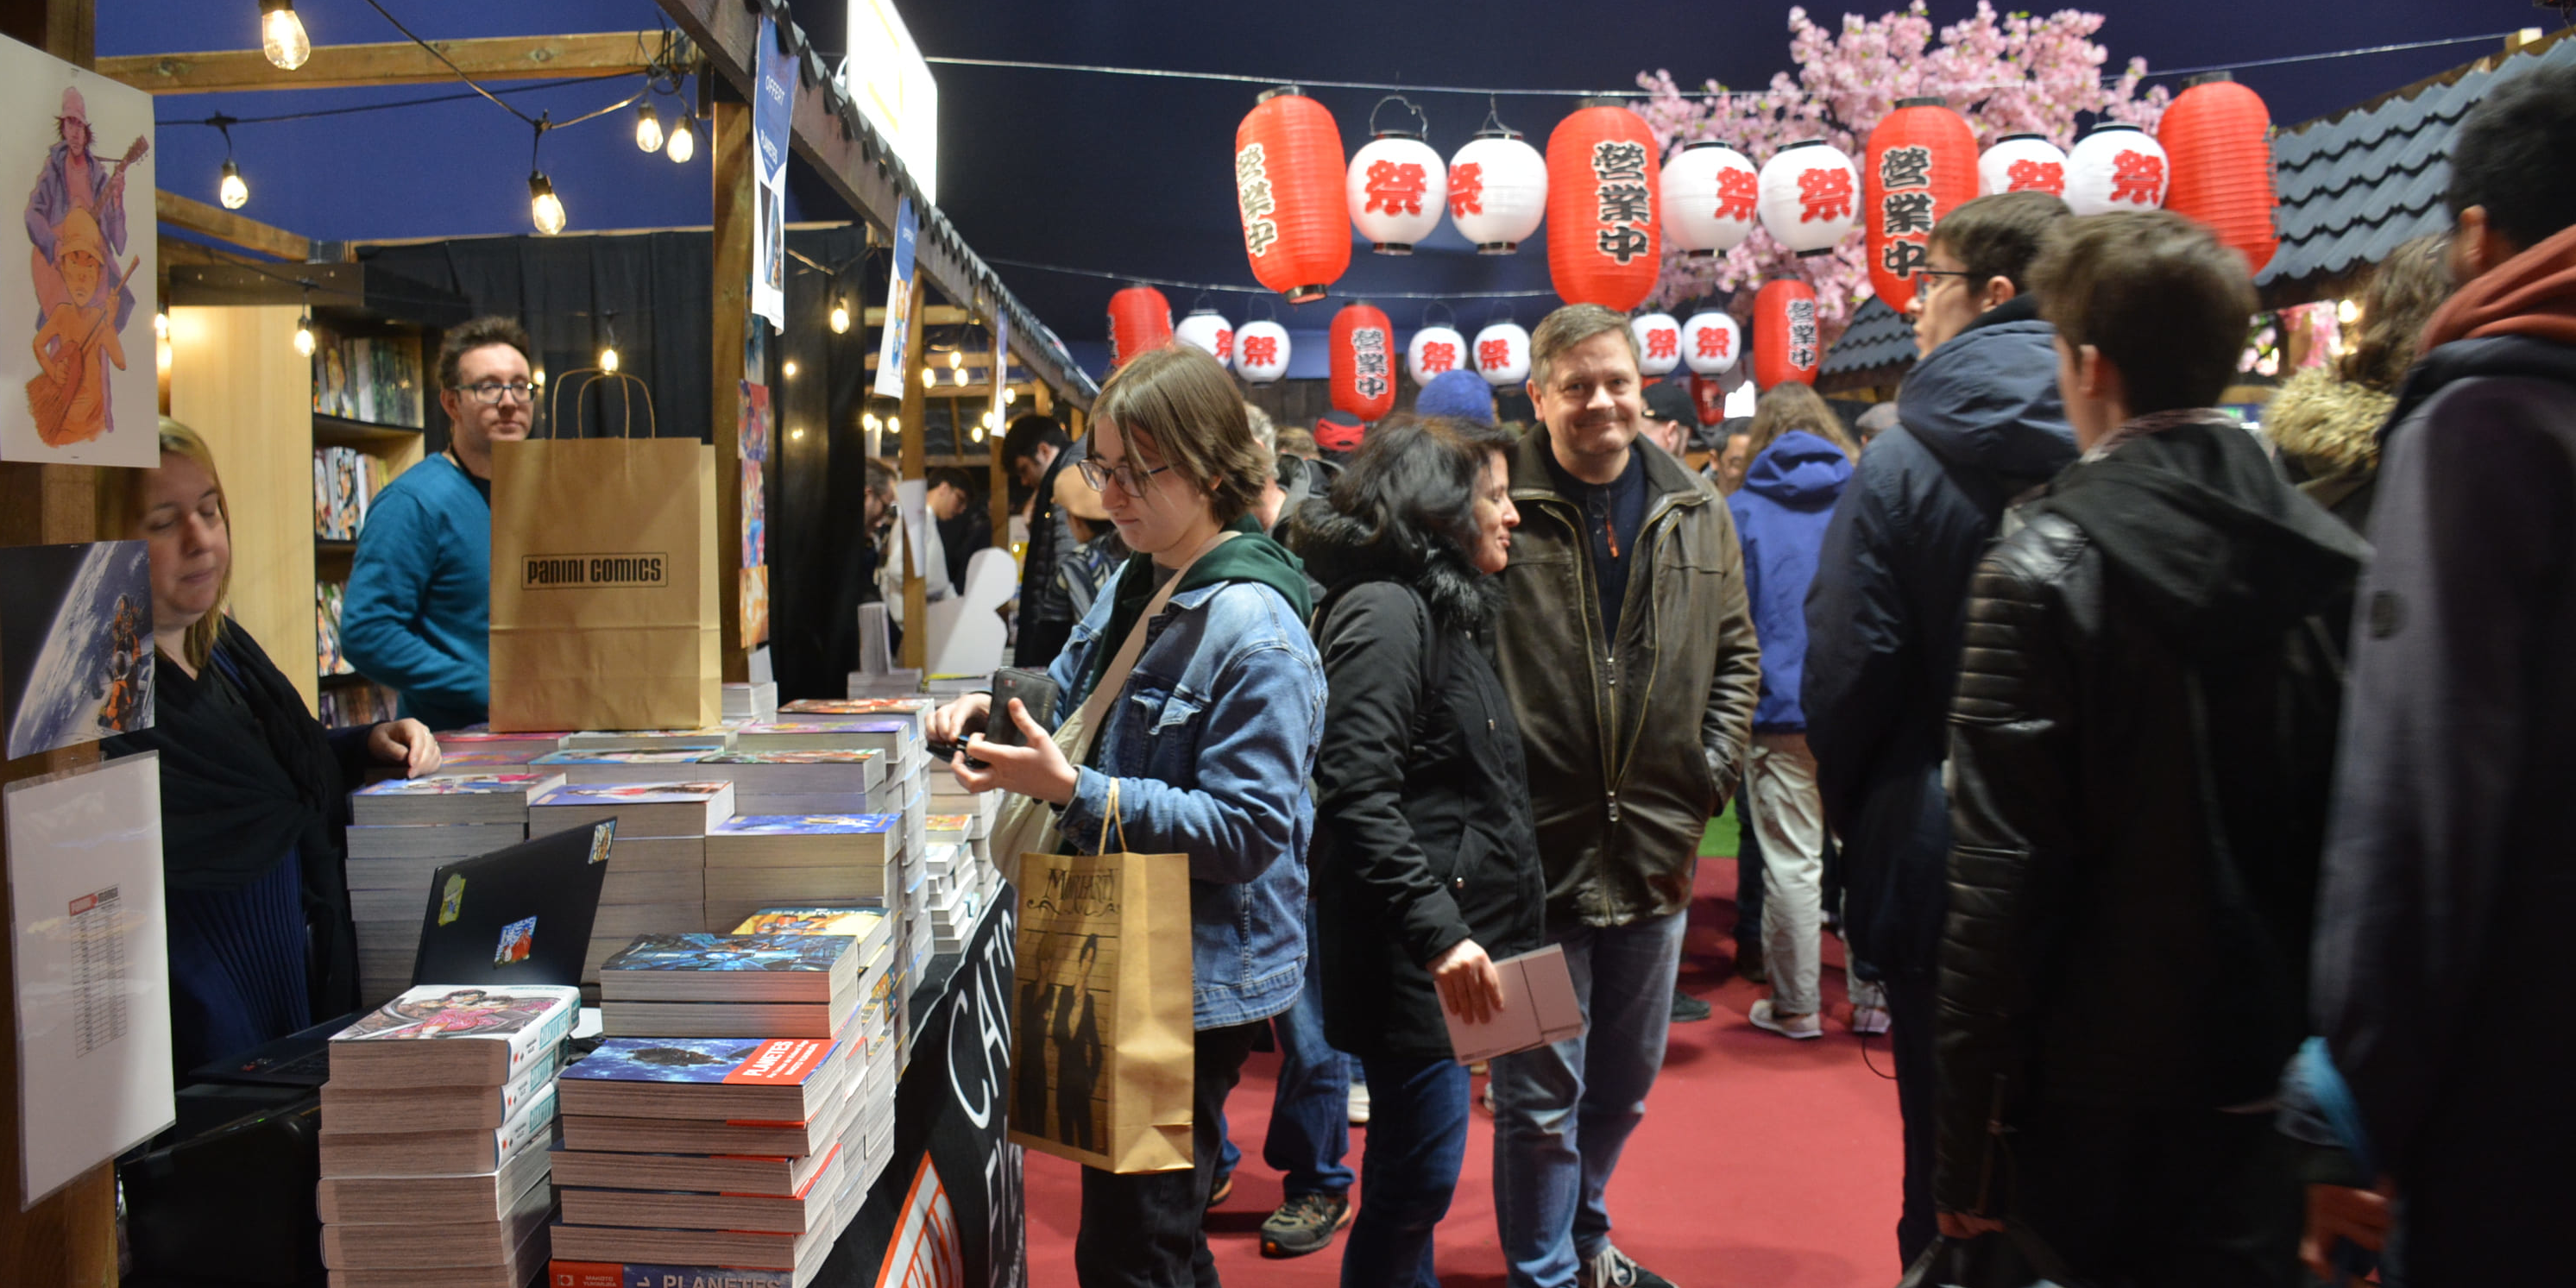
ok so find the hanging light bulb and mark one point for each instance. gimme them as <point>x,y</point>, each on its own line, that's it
<point>160,326</point>
<point>955,359</point>
<point>234,193</point>
<point>894,424</point>
<point>281,34</point>
<point>961,377</point>
<point>788,369</point>
<point>929,378</point>
<point>648,128</point>
<point>304,335</point>
<point>608,357</point>
<point>976,433</point>
<point>2348,312</point>
<point>544,206</point>
<point>840,316</point>
<point>684,141</point>
<point>537,377</point>
<point>797,433</point>
<point>1009,395</point>
<point>869,422</point>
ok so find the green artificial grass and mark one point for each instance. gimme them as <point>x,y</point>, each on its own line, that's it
<point>1722,838</point>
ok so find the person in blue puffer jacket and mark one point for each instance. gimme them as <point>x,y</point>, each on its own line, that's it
<point>1801,458</point>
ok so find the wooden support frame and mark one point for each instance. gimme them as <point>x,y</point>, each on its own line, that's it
<point>916,590</point>
<point>223,225</point>
<point>736,209</point>
<point>498,58</point>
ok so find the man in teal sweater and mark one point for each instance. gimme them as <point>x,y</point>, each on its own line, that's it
<point>419,607</point>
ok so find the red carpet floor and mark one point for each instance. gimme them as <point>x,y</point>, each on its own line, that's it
<point>1762,1162</point>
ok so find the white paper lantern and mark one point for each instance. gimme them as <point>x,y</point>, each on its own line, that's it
<point>1711,343</point>
<point>2021,163</point>
<point>1396,187</point>
<point>1810,196</point>
<point>1659,343</point>
<point>1502,354</point>
<point>1497,191</point>
<point>1207,331</point>
<point>1434,350</point>
<point>1261,351</point>
<point>1711,193</point>
<point>2116,167</point>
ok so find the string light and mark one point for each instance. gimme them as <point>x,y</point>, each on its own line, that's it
<point>234,193</point>
<point>961,377</point>
<point>544,207</point>
<point>648,128</point>
<point>797,434</point>
<point>281,35</point>
<point>537,378</point>
<point>894,424</point>
<point>2348,312</point>
<point>608,358</point>
<point>840,316</point>
<point>869,422</point>
<point>977,433</point>
<point>304,335</point>
<point>787,370</point>
<point>929,378</point>
<point>684,140</point>
<point>161,326</point>
<point>1009,395</point>
<point>955,359</point>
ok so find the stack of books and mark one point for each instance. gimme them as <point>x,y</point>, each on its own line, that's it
<point>759,860</point>
<point>405,829</point>
<point>656,881</point>
<point>873,1032</point>
<point>952,894</point>
<point>751,701</point>
<point>435,1124</point>
<point>345,483</point>
<point>588,767</point>
<point>826,781</point>
<point>716,739</point>
<point>699,985</point>
<point>914,710</point>
<point>513,748</point>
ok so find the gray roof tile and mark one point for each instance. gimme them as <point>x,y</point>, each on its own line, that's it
<point>1877,337</point>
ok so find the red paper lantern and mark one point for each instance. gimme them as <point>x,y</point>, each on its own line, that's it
<point>2219,135</point>
<point>1603,188</point>
<point>1140,320</point>
<point>1708,395</point>
<point>1363,358</point>
<point>1288,187</point>
<point>1921,165</point>
<point>1786,342</point>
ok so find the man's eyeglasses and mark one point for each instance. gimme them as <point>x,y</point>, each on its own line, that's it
<point>1131,480</point>
<point>490,392</point>
<point>1926,278</point>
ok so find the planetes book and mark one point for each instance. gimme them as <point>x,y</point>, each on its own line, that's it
<point>807,1209</point>
<point>731,968</point>
<point>764,1080</point>
<point>437,1036</point>
<point>703,1173</point>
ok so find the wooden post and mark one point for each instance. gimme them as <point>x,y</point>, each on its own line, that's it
<point>68,1240</point>
<point>735,210</point>
<point>916,592</point>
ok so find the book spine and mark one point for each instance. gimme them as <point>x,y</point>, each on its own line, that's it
<point>609,1274</point>
<point>545,1037</point>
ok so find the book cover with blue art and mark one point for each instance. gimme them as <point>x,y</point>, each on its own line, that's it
<point>633,793</point>
<point>807,825</point>
<point>769,1061</point>
<point>708,952</point>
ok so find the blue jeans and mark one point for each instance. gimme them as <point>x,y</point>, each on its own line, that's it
<point>1310,1124</point>
<point>1417,1143</point>
<point>1562,1112</point>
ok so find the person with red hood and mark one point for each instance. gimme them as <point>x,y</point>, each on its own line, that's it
<point>2450,868</point>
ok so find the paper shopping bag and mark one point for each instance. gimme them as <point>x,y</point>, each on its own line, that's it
<point>1104,1050</point>
<point>604,612</point>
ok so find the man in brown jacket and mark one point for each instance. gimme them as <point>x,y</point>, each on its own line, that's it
<point>1629,654</point>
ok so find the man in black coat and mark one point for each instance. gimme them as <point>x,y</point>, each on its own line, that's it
<point>1979,421</point>
<point>2139,757</point>
<point>1035,449</point>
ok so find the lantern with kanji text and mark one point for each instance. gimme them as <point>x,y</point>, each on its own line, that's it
<point>1659,343</point>
<point>1207,331</point>
<point>1711,342</point>
<point>1288,189</point>
<point>2022,163</point>
<point>2219,135</point>
<point>1810,196</point>
<point>1711,192</point>
<point>1708,398</point>
<point>1140,319</point>
<point>2116,167</point>
<point>1787,344</point>
<point>1922,165</point>
<point>1434,350</point>
<point>1363,361</point>
<point>1261,352</point>
<point>1396,186</point>
<point>1497,190</point>
<point>1503,354</point>
<point>1603,242</point>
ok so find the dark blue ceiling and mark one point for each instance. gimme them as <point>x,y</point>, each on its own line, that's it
<point>1112,173</point>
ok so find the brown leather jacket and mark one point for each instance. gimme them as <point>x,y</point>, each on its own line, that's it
<point>1632,746</point>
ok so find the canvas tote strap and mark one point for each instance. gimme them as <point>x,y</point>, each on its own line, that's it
<point>1124,661</point>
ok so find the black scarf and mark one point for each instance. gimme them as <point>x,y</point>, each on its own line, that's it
<point>235,798</point>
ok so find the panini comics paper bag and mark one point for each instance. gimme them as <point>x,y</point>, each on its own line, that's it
<point>604,612</point>
<point>1105,1048</point>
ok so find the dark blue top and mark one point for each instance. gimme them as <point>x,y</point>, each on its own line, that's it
<point>237,966</point>
<point>1612,513</point>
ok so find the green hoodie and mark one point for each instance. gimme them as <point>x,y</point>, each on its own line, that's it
<point>1251,556</point>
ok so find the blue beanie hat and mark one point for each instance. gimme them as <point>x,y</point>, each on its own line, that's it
<point>1459,393</point>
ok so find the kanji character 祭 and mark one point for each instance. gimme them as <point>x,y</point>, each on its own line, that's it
<point>1439,356</point>
<point>1824,193</point>
<point>1224,345</point>
<point>2137,177</point>
<point>1467,188</point>
<point>1713,342</point>
<point>1905,168</point>
<point>1661,343</point>
<point>1738,191</point>
<point>1493,354</point>
<point>2035,176</point>
<point>1261,350</point>
<point>1395,187</point>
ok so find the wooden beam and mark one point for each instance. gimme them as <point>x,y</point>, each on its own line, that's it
<point>735,210</point>
<point>225,226</point>
<point>940,315</point>
<point>916,592</point>
<point>398,62</point>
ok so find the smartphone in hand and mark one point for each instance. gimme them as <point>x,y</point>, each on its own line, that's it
<point>1035,692</point>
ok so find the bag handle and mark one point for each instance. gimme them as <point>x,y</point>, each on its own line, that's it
<point>1115,677</point>
<point>1108,819</point>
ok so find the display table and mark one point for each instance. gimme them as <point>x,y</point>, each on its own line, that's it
<point>947,1210</point>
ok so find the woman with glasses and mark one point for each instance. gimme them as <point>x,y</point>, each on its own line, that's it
<point>1425,860</point>
<point>1209,740</point>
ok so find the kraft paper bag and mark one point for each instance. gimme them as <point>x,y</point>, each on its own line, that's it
<point>1104,1049</point>
<point>604,591</point>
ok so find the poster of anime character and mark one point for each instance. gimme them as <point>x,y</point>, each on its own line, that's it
<point>76,345</point>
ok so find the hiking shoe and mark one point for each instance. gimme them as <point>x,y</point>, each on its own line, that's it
<point>1218,1193</point>
<point>1688,1009</point>
<point>1869,1019</point>
<point>1803,1027</point>
<point>1611,1268</point>
<point>1304,1224</point>
<point>1359,1104</point>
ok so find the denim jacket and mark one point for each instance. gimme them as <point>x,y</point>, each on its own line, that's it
<point>1212,742</point>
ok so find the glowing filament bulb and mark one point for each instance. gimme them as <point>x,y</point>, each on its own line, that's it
<point>684,141</point>
<point>544,207</point>
<point>281,35</point>
<point>648,128</point>
<point>234,193</point>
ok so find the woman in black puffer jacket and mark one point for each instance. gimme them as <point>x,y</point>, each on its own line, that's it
<point>1425,862</point>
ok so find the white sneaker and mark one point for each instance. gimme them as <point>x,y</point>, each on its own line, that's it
<point>1803,1027</point>
<point>1869,1019</point>
<point>1359,1111</point>
<point>1611,1268</point>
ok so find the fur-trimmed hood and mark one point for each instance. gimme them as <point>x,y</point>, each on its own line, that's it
<point>1341,552</point>
<point>2330,425</point>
